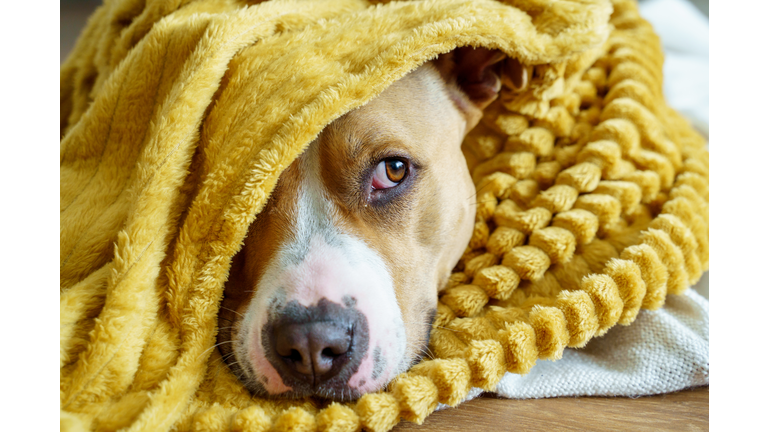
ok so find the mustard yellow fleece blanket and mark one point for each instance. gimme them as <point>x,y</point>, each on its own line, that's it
<point>178,116</point>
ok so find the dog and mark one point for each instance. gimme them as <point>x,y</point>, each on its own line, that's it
<point>334,291</point>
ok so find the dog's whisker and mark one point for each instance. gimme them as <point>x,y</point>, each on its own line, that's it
<point>234,311</point>
<point>449,329</point>
<point>211,348</point>
<point>485,201</point>
<point>226,357</point>
<point>436,326</point>
<point>478,190</point>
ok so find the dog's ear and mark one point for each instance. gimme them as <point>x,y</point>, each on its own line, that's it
<point>477,73</point>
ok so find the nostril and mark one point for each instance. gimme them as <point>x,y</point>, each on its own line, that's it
<point>314,348</point>
<point>294,356</point>
<point>333,352</point>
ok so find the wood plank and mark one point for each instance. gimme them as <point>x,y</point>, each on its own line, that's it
<point>686,410</point>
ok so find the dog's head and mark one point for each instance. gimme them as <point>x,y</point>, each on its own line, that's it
<point>335,289</point>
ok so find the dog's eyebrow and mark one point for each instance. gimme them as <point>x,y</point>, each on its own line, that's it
<point>362,144</point>
<point>357,145</point>
<point>366,143</point>
<point>373,142</point>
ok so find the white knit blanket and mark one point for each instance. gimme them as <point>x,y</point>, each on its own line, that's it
<point>662,351</point>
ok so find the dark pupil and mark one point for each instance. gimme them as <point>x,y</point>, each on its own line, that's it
<point>395,170</point>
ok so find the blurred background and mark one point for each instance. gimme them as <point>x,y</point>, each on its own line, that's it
<point>74,14</point>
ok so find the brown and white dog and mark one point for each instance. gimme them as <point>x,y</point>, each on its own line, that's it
<point>335,289</point>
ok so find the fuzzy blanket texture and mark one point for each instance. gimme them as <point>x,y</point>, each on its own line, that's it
<point>178,116</point>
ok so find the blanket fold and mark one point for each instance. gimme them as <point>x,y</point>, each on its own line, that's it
<point>177,118</point>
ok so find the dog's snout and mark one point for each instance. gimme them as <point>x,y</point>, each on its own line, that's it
<point>317,348</point>
<point>313,349</point>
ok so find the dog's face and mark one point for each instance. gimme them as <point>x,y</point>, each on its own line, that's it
<point>336,286</point>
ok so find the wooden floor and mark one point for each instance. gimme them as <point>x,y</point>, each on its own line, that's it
<point>687,410</point>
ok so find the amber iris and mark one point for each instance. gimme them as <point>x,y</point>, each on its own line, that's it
<point>395,170</point>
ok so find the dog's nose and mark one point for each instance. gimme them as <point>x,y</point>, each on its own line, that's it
<point>312,349</point>
<point>317,347</point>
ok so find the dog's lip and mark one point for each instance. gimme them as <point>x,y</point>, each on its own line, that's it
<point>326,394</point>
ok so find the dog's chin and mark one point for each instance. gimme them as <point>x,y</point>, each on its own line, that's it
<point>343,394</point>
<point>337,392</point>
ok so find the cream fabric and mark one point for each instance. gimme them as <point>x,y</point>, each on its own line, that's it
<point>662,351</point>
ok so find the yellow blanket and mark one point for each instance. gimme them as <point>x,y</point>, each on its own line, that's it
<point>178,116</point>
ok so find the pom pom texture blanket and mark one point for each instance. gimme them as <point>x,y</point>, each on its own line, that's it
<point>178,116</point>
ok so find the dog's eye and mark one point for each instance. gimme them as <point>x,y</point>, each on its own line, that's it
<point>389,173</point>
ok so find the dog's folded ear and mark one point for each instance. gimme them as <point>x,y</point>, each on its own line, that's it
<point>477,73</point>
